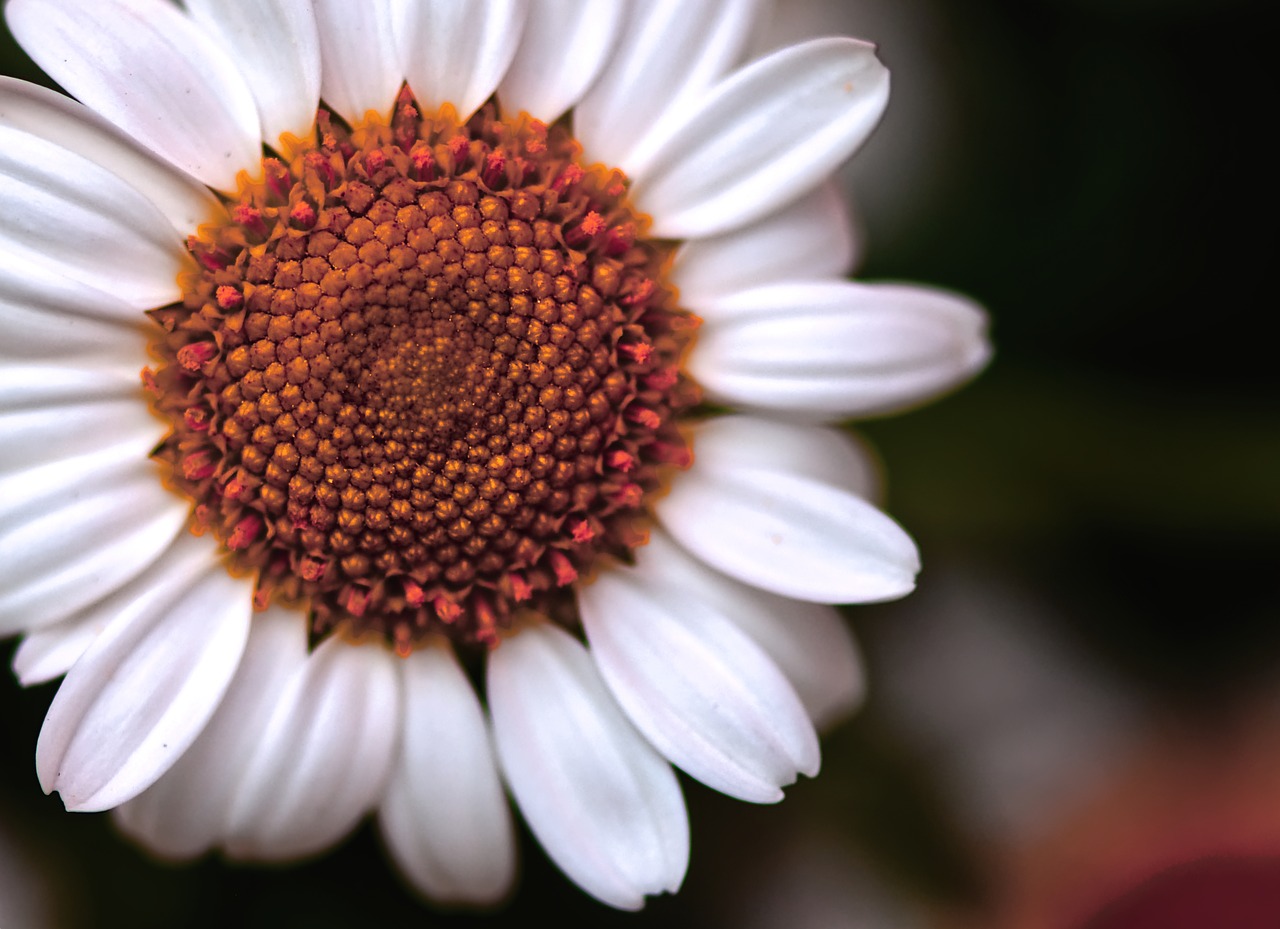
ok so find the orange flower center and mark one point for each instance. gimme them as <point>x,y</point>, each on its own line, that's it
<point>428,372</point>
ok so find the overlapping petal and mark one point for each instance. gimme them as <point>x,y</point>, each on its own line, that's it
<point>807,240</point>
<point>275,45</point>
<point>828,456</point>
<point>62,121</point>
<point>698,688</point>
<point>444,815</point>
<point>61,552</point>
<point>142,692</point>
<point>763,137</point>
<point>669,53</point>
<point>187,811</point>
<point>564,45</point>
<point>604,805</point>
<point>67,214</point>
<point>147,68</point>
<point>812,645</point>
<point>457,52</point>
<point>50,651</point>
<point>797,534</point>
<point>323,755</point>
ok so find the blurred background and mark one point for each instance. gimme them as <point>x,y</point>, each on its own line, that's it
<point>1075,723</point>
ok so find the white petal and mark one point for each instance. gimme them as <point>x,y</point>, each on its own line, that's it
<point>67,214</point>
<point>323,757</point>
<point>78,530</point>
<point>812,646</point>
<point>830,350</point>
<point>49,115</point>
<point>696,686</point>
<point>742,511</point>
<point>68,426</point>
<point>32,386</point>
<point>669,53</point>
<point>50,651</point>
<point>361,56</point>
<point>458,51</point>
<point>35,335</point>
<point>602,802</point>
<point>45,316</point>
<point>809,239</point>
<point>150,70</point>
<point>185,813</point>
<point>810,642</point>
<point>276,47</point>
<point>763,137</point>
<point>562,49</point>
<point>826,455</point>
<point>48,413</point>
<point>147,685</point>
<point>445,817</point>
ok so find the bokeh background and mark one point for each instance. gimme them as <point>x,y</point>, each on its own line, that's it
<point>1076,721</point>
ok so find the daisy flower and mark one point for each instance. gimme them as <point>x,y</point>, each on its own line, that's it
<point>362,360</point>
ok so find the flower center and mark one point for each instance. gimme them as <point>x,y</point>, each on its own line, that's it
<point>427,372</point>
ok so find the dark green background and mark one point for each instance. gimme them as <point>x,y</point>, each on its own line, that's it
<point>1102,190</point>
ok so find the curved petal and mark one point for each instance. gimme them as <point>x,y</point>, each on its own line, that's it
<point>763,137</point>
<point>809,239</point>
<point>602,802</point>
<point>695,685</point>
<point>812,645</point>
<point>361,56</point>
<point>62,121</point>
<point>46,317</point>
<point>322,758</point>
<point>185,813</point>
<point>79,529</point>
<point>830,350</point>
<point>458,52</point>
<point>781,529</point>
<point>50,651</point>
<point>66,214</point>
<point>276,47</point>
<point>147,68</point>
<point>445,817</point>
<point>562,49</point>
<point>670,52</point>
<point>147,685</point>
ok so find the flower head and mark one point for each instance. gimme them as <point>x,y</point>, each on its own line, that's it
<point>350,346</point>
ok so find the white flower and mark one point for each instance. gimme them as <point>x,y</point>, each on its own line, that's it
<point>421,381</point>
